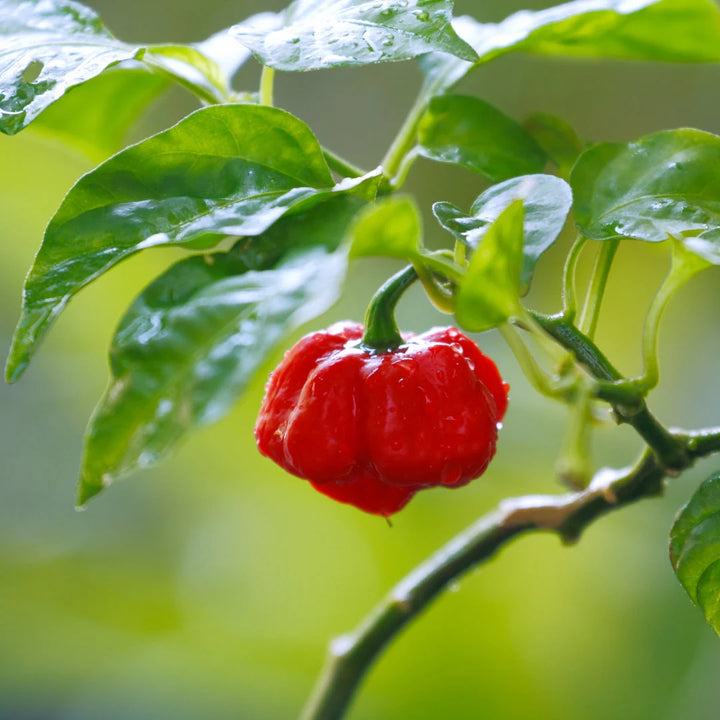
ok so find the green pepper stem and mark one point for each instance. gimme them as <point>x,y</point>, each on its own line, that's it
<point>569,271</point>
<point>267,82</point>
<point>684,266</point>
<point>591,311</point>
<point>341,166</point>
<point>381,330</point>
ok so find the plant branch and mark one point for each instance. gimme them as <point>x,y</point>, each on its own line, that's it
<point>405,139</point>
<point>351,656</point>
<point>625,396</point>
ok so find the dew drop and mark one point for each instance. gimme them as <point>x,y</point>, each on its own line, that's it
<point>422,15</point>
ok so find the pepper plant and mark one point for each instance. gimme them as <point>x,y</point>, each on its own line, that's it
<point>270,219</point>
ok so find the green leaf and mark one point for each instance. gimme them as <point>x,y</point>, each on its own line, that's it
<point>695,549</point>
<point>95,117</point>
<point>470,132</point>
<point>191,69</point>
<point>546,201</point>
<point>664,185</point>
<point>390,227</point>
<point>45,49</point>
<point>658,30</point>
<point>315,34</point>
<point>195,337</point>
<point>557,138</point>
<point>489,293</point>
<point>224,170</point>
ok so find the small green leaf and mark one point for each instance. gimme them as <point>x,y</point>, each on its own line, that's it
<point>315,34</point>
<point>557,138</point>
<point>45,49</point>
<point>224,170</point>
<point>546,201</point>
<point>657,30</point>
<point>470,132</point>
<point>188,346</point>
<point>664,185</point>
<point>390,227</point>
<point>489,293</point>
<point>695,549</point>
<point>95,117</point>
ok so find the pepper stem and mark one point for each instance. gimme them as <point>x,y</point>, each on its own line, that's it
<point>381,330</point>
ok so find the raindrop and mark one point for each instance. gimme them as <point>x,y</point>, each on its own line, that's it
<point>32,71</point>
<point>422,15</point>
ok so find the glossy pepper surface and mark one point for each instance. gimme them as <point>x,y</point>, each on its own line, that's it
<point>372,428</point>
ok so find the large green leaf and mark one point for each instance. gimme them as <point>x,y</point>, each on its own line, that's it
<point>316,34</point>
<point>391,227</point>
<point>546,201</point>
<point>695,549</point>
<point>489,292</point>
<point>46,48</point>
<point>470,132</point>
<point>224,170</point>
<point>96,116</point>
<point>666,30</point>
<point>664,185</point>
<point>189,344</point>
<point>50,47</point>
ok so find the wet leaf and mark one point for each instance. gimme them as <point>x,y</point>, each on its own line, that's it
<point>657,30</point>
<point>315,34</point>
<point>664,185</point>
<point>546,201</point>
<point>695,549</point>
<point>45,49</point>
<point>489,293</point>
<point>194,338</point>
<point>229,170</point>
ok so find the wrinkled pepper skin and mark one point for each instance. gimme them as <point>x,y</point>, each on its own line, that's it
<point>372,428</point>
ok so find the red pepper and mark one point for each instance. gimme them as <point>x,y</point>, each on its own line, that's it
<point>372,428</point>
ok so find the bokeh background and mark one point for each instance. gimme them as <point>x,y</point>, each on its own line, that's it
<point>209,586</point>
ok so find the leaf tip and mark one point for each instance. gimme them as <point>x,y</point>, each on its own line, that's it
<point>16,364</point>
<point>86,490</point>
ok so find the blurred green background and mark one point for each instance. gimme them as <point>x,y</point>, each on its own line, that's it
<point>210,586</point>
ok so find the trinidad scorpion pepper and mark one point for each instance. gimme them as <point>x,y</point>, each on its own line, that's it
<point>371,417</point>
